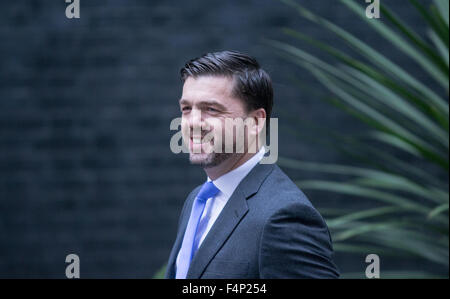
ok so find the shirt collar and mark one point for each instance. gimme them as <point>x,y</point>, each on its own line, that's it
<point>228,182</point>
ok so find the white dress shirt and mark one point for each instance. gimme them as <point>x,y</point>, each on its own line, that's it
<point>227,183</point>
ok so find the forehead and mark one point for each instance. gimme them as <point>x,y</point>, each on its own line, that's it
<point>209,88</point>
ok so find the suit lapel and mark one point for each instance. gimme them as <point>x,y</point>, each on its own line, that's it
<point>235,209</point>
<point>230,216</point>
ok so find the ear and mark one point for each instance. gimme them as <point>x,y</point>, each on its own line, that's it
<point>259,118</point>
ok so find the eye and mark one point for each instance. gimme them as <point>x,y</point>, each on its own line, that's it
<point>212,109</point>
<point>185,109</point>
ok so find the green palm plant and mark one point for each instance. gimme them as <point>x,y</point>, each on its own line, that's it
<point>407,205</point>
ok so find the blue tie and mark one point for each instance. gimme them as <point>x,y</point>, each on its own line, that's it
<point>187,251</point>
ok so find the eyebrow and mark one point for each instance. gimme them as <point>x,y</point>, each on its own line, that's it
<point>204,103</point>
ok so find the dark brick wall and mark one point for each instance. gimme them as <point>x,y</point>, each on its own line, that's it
<point>85,107</point>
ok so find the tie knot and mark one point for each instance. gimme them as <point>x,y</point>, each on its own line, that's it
<point>208,190</point>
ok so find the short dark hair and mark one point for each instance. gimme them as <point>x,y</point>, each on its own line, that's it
<point>251,83</point>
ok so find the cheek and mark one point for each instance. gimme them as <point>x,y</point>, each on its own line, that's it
<point>229,132</point>
<point>213,125</point>
<point>185,130</point>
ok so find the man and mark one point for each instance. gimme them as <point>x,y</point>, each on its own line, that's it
<point>248,220</point>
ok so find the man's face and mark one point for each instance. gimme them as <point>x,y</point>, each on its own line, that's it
<point>205,104</point>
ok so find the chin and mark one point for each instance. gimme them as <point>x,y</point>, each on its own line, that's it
<point>199,158</point>
<point>208,160</point>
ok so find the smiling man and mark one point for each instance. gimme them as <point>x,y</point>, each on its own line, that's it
<point>248,219</point>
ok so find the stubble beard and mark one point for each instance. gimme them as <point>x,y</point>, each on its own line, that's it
<point>208,160</point>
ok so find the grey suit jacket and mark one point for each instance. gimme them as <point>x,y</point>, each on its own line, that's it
<point>267,229</point>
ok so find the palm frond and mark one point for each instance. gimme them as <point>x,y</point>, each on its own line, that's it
<point>406,206</point>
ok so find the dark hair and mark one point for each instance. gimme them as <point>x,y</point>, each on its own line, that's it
<point>251,83</point>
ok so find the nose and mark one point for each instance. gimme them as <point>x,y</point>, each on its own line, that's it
<point>195,122</point>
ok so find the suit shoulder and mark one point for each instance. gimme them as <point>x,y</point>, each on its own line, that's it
<point>279,189</point>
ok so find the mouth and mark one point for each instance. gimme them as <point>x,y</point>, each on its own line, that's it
<point>198,144</point>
